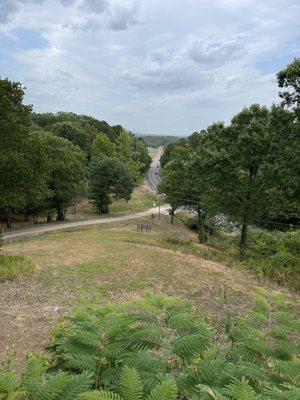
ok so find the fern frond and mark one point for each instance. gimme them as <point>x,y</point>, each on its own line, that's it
<point>144,361</point>
<point>8,382</point>
<point>100,395</point>
<point>241,390</point>
<point>167,390</point>
<point>54,388</point>
<point>144,338</point>
<point>190,346</point>
<point>289,368</point>
<point>78,384</point>
<point>82,362</point>
<point>251,349</point>
<point>130,386</point>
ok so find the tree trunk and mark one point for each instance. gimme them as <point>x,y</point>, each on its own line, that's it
<point>172,213</point>
<point>201,235</point>
<point>246,215</point>
<point>49,218</point>
<point>8,220</point>
<point>61,213</point>
<point>243,240</point>
<point>26,217</point>
<point>172,217</point>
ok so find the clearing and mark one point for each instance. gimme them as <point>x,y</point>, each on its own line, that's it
<point>112,262</point>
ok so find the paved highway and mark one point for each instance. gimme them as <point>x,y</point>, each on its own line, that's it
<point>153,177</point>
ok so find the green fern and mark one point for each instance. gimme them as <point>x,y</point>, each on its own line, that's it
<point>130,386</point>
<point>190,346</point>
<point>100,395</point>
<point>167,390</point>
<point>241,390</point>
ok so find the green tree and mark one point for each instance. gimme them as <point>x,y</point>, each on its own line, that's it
<point>239,154</point>
<point>102,146</point>
<point>68,175</point>
<point>23,167</point>
<point>173,183</point>
<point>289,78</point>
<point>124,146</point>
<point>74,133</point>
<point>185,183</point>
<point>109,177</point>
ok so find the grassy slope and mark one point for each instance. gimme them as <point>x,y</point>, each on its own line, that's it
<point>112,263</point>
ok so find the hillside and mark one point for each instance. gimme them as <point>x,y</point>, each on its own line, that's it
<point>158,140</point>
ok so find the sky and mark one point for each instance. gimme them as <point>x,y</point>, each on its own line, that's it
<point>154,66</point>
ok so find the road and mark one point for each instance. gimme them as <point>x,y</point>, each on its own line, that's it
<point>153,177</point>
<point>153,180</point>
<point>20,233</point>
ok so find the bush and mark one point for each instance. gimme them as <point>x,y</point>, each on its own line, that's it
<point>160,349</point>
<point>278,252</point>
<point>12,266</point>
<point>209,225</point>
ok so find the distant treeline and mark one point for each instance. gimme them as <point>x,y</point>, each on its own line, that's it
<point>49,162</point>
<point>157,140</point>
<point>247,170</point>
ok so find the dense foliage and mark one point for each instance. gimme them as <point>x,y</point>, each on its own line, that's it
<point>247,170</point>
<point>160,349</point>
<point>44,159</point>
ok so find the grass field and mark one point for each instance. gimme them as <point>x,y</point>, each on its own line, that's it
<point>112,263</point>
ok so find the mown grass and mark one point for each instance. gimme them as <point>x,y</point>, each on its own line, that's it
<point>14,266</point>
<point>141,200</point>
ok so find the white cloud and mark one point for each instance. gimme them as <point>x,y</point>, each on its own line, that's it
<point>215,53</point>
<point>168,66</point>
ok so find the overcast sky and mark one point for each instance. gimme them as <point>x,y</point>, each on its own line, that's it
<point>154,66</point>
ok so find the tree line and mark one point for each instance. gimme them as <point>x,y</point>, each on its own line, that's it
<point>247,170</point>
<point>49,162</point>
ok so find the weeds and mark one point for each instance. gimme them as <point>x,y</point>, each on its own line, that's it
<point>12,266</point>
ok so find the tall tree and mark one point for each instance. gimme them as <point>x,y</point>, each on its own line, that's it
<point>68,175</point>
<point>23,167</point>
<point>109,178</point>
<point>239,154</point>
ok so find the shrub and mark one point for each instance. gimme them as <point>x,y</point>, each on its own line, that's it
<point>278,253</point>
<point>160,349</point>
<point>12,266</point>
<point>209,225</point>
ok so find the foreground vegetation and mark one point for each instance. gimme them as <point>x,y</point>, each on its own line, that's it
<point>160,349</point>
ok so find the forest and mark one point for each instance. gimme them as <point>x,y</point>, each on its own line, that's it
<point>50,162</point>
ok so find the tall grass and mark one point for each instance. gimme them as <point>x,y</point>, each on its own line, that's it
<point>12,267</point>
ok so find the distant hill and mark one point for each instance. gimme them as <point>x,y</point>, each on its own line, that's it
<point>158,140</point>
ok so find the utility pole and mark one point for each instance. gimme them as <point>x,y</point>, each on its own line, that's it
<point>159,207</point>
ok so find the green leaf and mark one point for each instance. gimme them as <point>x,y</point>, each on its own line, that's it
<point>130,385</point>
